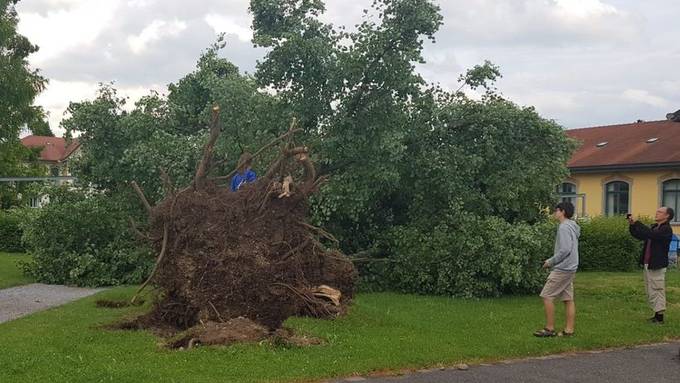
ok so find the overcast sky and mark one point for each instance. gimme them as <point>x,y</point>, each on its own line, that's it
<point>579,62</point>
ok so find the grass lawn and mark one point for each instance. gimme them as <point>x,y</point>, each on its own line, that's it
<point>10,274</point>
<point>382,332</point>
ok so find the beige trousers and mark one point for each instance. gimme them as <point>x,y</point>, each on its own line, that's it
<point>655,283</point>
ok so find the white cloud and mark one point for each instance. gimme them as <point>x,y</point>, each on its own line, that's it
<point>535,22</point>
<point>644,97</point>
<point>56,98</point>
<point>583,9</point>
<point>140,3</point>
<point>79,23</point>
<point>581,62</point>
<point>154,32</point>
<point>228,25</point>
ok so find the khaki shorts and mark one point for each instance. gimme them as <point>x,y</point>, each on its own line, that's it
<point>560,284</point>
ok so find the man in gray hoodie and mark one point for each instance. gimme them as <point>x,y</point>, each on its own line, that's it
<point>563,265</point>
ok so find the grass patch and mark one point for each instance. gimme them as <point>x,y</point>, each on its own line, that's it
<point>382,332</point>
<point>10,273</point>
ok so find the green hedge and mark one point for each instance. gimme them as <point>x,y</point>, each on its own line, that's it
<point>11,231</point>
<point>85,241</point>
<point>471,257</point>
<point>606,245</point>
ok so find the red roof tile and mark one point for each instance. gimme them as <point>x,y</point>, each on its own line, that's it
<point>54,148</point>
<point>627,144</point>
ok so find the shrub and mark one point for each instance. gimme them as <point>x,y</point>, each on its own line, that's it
<point>473,258</point>
<point>83,241</point>
<point>606,245</point>
<point>10,229</point>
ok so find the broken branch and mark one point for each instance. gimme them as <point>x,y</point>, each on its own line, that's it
<point>282,137</point>
<point>203,166</point>
<point>142,197</point>
<point>167,182</point>
<point>164,247</point>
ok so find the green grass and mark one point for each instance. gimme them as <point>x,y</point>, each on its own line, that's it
<point>10,273</point>
<point>382,332</point>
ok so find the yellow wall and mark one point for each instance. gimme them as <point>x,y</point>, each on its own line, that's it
<point>645,194</point>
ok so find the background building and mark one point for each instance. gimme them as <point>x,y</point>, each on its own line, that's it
<point>56,153</point>
<point>630,168</point>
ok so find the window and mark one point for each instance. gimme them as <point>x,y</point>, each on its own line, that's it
<point>567,192</point>
<point>617,196</point>
<point>35,202</point>
<point>54,171</point>
<point>671,196</point>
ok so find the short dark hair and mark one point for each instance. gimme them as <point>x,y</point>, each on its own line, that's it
<point>567,208</point>
<point>671,213</point>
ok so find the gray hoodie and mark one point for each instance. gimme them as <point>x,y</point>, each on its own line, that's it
<point>565,257</point>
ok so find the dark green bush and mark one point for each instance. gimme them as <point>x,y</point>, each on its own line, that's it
<point>10,229</point>
<point>606,245</point>
<point>472,258</point>
<point>84,241</point>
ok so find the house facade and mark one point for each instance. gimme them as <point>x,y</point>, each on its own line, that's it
<point>629,168</point>
<point>56,154</point>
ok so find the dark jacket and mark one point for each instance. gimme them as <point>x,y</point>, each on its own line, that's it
<point>660,236</point>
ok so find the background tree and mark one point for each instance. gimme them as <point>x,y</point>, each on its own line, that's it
<point>19,85</point>
<point>120,146</point>
<point>354,92</point>
<point>445,189</point>
<point>40,125</point>
<point>421,175</point>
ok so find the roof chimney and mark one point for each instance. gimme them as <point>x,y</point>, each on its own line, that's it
<point>675,116</point>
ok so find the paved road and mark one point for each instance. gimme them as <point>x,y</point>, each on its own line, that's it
<point>19,301</point>
<point>648,364</point>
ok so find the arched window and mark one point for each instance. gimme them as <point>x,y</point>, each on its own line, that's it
<point>671,196</point>
<point>617,198</point>
<point>567,192</point>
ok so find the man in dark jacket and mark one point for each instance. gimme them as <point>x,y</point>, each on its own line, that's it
<point>654,257</point>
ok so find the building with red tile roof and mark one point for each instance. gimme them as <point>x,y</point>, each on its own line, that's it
<point>54,149</point>
<point>627,168</point>
<point>55,154</point>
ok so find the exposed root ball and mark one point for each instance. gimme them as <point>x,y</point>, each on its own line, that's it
<point>248,254</point>
<point>226,256</point>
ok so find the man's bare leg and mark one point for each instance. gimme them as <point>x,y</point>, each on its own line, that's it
<point>549,313</point>
<point>570,309</point>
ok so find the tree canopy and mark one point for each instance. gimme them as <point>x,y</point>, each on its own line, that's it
<point>413,168</point>
<point>19,85</point>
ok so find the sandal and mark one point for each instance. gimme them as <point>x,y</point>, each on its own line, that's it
<point>544,333</point>
<point>565,334</point>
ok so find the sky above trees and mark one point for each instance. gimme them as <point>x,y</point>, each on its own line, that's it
<point>580,62</point>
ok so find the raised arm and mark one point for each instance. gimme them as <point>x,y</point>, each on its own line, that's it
<point>633,229</point>
<point>644,232</point>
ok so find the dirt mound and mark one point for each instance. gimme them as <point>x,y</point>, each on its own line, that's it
<point>226,257</point>
<point>237,330</point>
<point>106,303</point>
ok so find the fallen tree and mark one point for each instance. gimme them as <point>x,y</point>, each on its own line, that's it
<point>248,254</point>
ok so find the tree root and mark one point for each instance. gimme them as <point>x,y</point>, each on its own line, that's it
<point>321,232</point>
<point>164,247</point>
